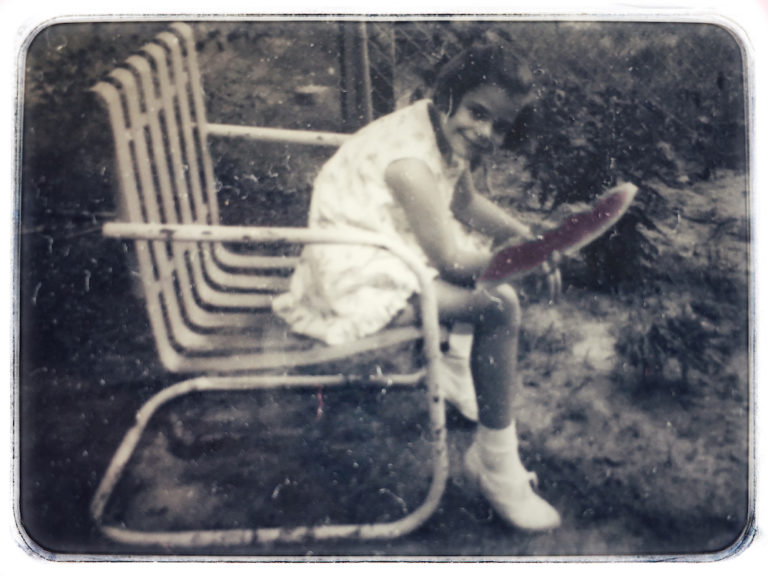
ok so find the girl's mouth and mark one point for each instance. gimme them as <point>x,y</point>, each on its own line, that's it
<point>477,145</point>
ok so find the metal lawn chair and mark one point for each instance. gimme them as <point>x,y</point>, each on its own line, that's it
<point>208,304</point>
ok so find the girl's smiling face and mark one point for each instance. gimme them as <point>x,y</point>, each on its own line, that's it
<point>482,120</point>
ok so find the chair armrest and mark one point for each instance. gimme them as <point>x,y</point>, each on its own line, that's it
<point>253,234</point>
<point>263,134</point>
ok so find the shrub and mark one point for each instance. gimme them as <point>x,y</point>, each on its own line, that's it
<point>633,102</point>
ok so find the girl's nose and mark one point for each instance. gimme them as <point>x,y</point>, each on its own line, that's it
<point>484,130</point>
<point>484,134</point>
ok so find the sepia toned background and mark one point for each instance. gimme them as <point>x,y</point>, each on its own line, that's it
<point>635,405</point>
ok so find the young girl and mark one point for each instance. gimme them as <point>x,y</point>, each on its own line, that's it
<point>407,176</point>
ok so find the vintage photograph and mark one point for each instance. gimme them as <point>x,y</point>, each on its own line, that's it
<point>384,288</point>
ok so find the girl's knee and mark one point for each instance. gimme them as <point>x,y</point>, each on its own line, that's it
<point>500,305</point>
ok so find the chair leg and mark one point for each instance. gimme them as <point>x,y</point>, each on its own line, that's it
<point>237,537</point>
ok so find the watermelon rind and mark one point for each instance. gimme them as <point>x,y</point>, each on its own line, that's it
<point>577,231</point>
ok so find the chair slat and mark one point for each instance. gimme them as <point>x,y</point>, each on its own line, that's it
<point>181,255</point>
<point>200,209</point>
<point>169,260</point>
<point>221,257</point>
<point>198,112</point>
<point>208,280</point>
<point>130,209</point>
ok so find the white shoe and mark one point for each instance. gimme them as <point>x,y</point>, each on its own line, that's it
<point>506,484</point>
<point>458,386</point>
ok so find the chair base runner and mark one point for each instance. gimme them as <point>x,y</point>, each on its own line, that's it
<point>234,537</point>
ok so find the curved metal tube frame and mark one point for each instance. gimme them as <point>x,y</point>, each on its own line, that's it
<point>208,538</point>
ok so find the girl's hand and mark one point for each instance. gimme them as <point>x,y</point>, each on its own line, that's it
<point>521,236</point>
<point>527,234</point>
<point>551,269</point>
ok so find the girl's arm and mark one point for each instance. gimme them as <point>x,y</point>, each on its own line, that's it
<point>481,214</point>
<point>414,186</point>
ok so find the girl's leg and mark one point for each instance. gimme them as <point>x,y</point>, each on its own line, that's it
<point>456,378</point>
<point>495,315</point>
<point>493,460</point>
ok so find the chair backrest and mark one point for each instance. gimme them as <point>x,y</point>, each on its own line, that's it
<point>171,90</point>
<point>204,317</point>
<point>166,176</point>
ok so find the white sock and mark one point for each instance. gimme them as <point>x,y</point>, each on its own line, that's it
<point>460,340</point>
<point>498,449</point>
<point>497,440</point>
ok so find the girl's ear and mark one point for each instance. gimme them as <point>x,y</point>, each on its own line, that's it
<point>451,104</point>
<point>443,99</point>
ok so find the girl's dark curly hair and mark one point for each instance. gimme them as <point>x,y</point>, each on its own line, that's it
<point>480,64</point>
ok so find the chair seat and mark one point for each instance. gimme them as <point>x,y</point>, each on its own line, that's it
<point>270,344</point>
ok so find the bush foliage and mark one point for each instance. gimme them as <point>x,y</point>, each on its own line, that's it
<point>637,102</point>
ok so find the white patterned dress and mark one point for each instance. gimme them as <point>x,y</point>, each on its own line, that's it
<point>342,293</point>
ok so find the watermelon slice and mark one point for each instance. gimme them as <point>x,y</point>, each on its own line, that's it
<point>571,235</point>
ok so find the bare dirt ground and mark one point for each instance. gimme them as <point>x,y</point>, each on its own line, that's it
<point>635,403</point>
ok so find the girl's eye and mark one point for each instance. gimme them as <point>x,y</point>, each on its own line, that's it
<point>478,113</point>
